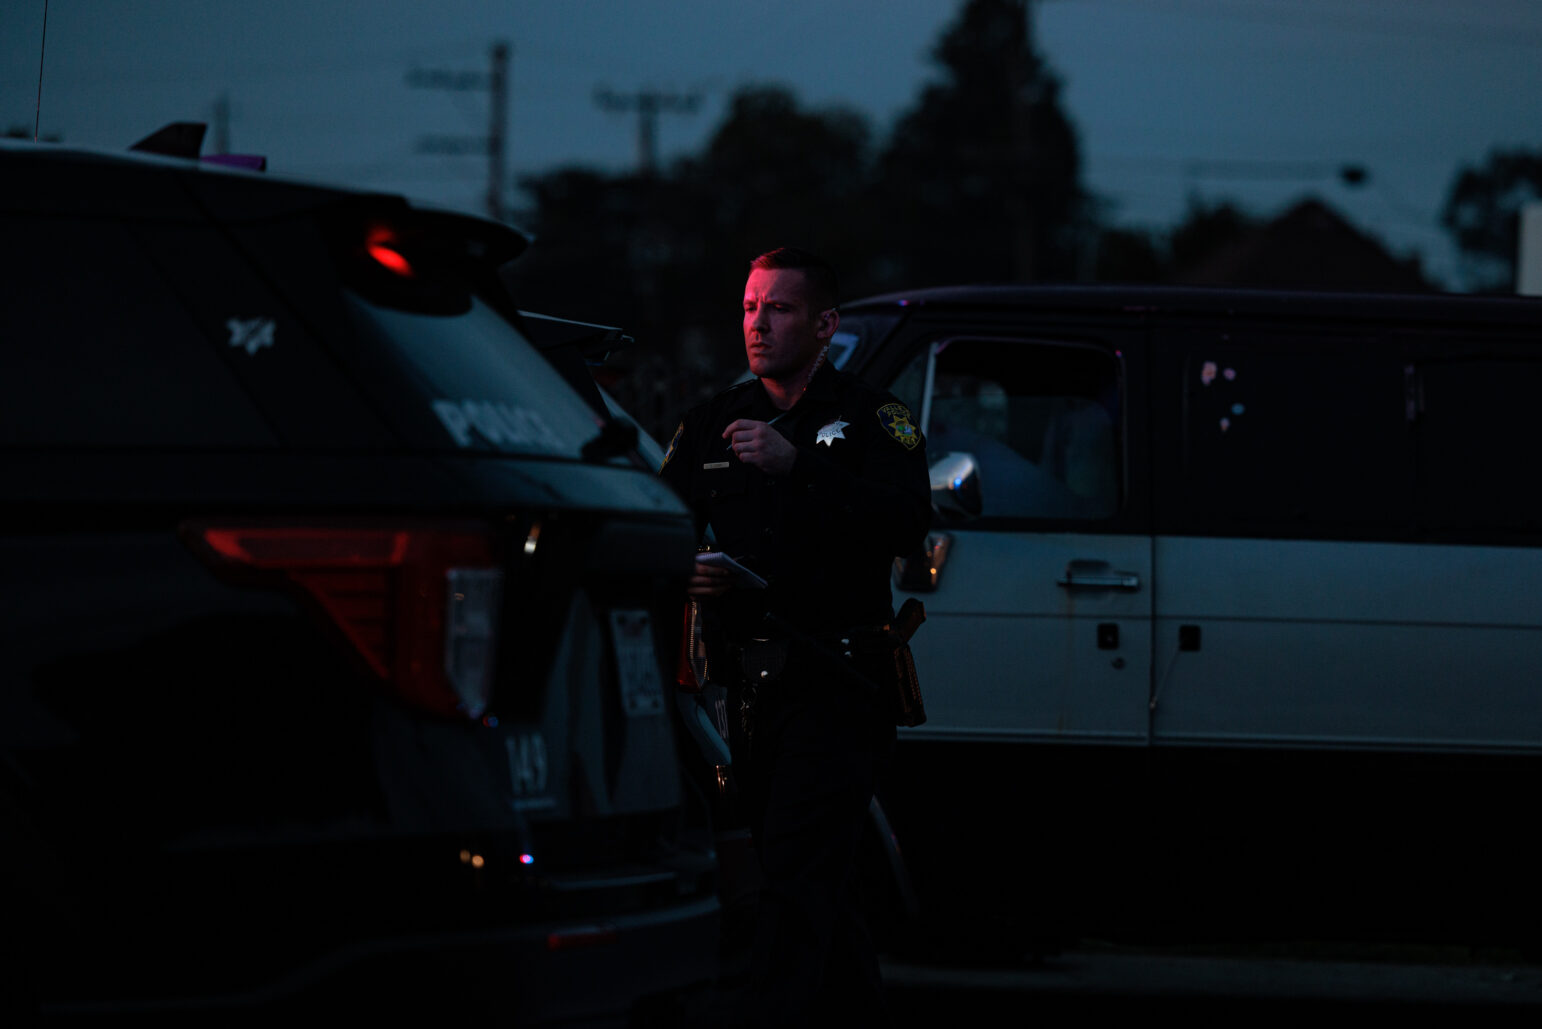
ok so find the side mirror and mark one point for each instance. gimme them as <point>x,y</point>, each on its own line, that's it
<point>956,485</point>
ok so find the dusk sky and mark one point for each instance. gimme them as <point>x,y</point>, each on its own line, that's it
<point>1260,101</point>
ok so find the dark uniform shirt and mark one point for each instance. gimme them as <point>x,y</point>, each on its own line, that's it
<point>825,535</point>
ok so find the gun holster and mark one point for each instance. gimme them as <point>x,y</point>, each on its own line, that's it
<point>908,708</point>
<point>889,662</point>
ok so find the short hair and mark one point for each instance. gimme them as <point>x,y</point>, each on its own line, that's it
<point>818,272</point>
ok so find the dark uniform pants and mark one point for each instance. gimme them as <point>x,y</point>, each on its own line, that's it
<point>818,746</point>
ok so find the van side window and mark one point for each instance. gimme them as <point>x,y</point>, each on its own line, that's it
<point>1040,419</point>
<point>1296,436</point>
<point>1475,422</point>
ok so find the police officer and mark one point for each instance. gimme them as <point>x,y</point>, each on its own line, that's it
<point>815,481</point>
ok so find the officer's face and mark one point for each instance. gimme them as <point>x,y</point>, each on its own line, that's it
<point>783,333</point>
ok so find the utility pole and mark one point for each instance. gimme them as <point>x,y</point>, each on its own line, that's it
<point>494,144</point>
<point>1528,258</point>
<point>647,103</point>
<point>495,132</point>
<point>222,124</point>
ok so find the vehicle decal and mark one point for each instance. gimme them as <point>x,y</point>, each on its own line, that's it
<point>529,770</point>
<point>500,424</point>
<point>1208,370</point>
<point>251,334</point>
<point>673,443</point>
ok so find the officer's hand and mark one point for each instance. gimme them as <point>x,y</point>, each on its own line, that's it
<point>709,581</point>
<point>758,444</point>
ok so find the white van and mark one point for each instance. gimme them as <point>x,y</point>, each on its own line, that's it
<point>1234,604</point>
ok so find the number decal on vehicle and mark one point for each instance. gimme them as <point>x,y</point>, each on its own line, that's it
<point>528,769</point>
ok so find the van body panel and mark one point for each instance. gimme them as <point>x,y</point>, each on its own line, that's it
<point>1008,652</point>
<point>1348,644</point>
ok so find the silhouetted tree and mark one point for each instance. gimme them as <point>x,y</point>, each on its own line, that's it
<point>1482,213</point>
<point>775,174</point>
<point>1206,229</point>
<point>982,175</point>
<point>1129,255</point>
<point>578,267</point>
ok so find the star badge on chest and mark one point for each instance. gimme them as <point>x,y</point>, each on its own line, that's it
<point>830,433</point>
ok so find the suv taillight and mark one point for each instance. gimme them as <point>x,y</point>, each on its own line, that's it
<point>691,662</point>
<point>419,604</point>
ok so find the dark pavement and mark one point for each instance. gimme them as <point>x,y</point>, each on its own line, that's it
<point>1086,982</point>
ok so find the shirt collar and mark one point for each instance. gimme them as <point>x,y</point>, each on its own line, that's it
<point>756,402</point>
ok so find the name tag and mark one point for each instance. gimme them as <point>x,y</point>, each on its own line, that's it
<point>714,464</point>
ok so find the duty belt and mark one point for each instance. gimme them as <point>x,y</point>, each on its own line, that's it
<point>763,660</point>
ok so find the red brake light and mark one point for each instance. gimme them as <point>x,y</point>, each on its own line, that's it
<point>391,260</point>
<point>381,245</point>
<point>691,662</point>
<point>418,604</point>
<point>582,936</point>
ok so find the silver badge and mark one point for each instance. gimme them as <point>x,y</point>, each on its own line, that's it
<point>830,433</point>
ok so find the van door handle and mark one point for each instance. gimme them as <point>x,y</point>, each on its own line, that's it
<point>1097,575</point>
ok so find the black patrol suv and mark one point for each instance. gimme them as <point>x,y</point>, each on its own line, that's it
<point>333,618</point>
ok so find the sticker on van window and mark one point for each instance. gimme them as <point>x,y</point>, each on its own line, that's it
<point>497,423</point>
<point>251,334</point>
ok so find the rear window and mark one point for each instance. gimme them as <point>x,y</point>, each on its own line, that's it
<point>97,350</point>
<point>484,385</point>
<point>434,351</point>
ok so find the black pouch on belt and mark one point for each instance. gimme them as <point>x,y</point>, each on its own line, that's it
<point>763,661</point>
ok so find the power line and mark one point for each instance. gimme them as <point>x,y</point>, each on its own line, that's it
<point>1339,16</point>
<point>42,50</point>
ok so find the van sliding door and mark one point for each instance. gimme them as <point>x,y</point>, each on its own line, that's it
<point>1295,604</point>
